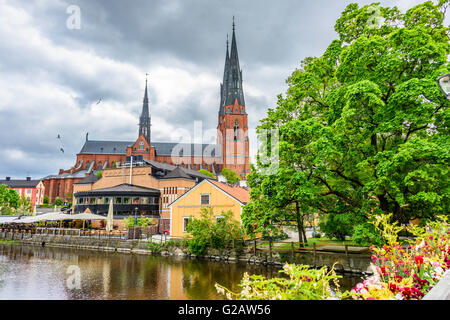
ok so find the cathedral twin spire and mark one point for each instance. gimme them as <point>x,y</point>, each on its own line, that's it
<point>231,87</point>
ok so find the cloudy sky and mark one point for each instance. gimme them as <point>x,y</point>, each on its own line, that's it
<point>52,76</point>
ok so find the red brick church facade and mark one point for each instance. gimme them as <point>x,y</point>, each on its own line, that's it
<point>231,150</point>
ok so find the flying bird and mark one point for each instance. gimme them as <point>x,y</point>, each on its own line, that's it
<point>60,143</point>
<point>99,101</point>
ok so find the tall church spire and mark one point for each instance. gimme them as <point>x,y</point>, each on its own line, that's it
<point>144,120</point>
<point>234,89</point>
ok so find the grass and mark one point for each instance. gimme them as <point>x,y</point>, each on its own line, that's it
<point>320,242</point>
<point>4,241</point>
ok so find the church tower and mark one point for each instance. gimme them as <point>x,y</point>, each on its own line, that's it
<point>144,120</point>
<point>232,129</point>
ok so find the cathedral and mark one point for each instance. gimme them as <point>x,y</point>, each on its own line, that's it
<point>230,151</point>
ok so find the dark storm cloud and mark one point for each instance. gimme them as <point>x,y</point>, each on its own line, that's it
<point>51,77</point>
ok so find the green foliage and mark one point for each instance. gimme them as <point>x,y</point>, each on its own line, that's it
<point>46,200</point>
<point>230,175</point>
<point>302,283</point>
<point>9,199</point>
<point>59,202</point>
<point>337,226</point>
<point>25,207</point>
<point>363,128</point>
<point>206,172</point>
<point>114,164</point>
<point>365,234</point>
<point>99,174</point>
<point>155,247</point>
<point>207,232</point>
<point>140,223</point>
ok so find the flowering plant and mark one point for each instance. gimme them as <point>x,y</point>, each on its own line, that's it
<point>406,272</point>
<point>302,283</point>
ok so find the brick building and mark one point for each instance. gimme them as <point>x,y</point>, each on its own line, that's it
<point>230,151</point>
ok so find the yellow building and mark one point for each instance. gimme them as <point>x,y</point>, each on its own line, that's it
<point>208,193</point>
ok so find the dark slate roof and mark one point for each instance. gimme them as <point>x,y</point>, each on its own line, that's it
<point>118,147</point>
<point>177,173</point>
<point>20,183</point>
<point>161,148</point>
<point>89,179</point>
<point>124,189</point>
<point>169,167</point>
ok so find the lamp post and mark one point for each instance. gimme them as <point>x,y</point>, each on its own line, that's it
<point>135,222</point>
<point>444,84</point>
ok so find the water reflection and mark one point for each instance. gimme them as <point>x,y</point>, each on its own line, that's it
<point>41,273</point>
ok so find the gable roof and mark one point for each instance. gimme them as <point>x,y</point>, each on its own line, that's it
<point>239,194</point>
<point>161,148</point>
<point>20,183</point>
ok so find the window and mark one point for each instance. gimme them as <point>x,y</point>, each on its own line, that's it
<point>204,199</point>
<point>186,222</point>
<point>218,218</point>
<point>126,200</point>
<point>141,145</point>
<point>80,200</point>
<point>92,200</point>
<point>100,200</point>
<point>236,131</point>
<point>118,200</point>
<point>107,200</point>
<point>144,200</point>
<point>136,200</point>
<point>28,191</point>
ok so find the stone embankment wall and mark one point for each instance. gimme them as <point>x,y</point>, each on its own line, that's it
<point>352,263</point>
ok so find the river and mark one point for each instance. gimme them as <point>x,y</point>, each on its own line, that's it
<point>37,273</point>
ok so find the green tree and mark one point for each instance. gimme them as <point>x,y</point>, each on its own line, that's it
<point>99,174</point>
<point>364,127</point>
<point>278,200</point>
<point>58,202</point>
<point>209,232</point>
<point>24,207</point>
<point>230,175</point>
<point>206,172</point>
<point>46,199</point>
<point>9,199</point>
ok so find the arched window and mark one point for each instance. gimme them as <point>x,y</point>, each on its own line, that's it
<point>141,145</point>
<point>87,165</point>
<point>99,165</point>
<point>236,130</point>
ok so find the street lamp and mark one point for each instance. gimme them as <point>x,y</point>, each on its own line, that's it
<point>135,222</point>
<point>444,84</point>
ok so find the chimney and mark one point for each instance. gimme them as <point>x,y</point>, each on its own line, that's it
<point>8,178</point>
<point>28,178</point>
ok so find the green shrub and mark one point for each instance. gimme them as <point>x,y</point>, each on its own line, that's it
<point>155,247</point>
<point>59,202</point>
<point>366,235</point>
<point>207,232</point>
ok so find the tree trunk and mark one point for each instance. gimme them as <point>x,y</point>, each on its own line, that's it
<point>299,226</point>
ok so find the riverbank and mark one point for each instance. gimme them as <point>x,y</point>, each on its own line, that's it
<point>345,262</point>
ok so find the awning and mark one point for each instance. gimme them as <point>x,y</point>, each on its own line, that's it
<point>86,216</point>
<point>51,216</point>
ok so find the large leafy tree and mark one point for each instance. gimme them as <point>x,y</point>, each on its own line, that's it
<point>364,128</point>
